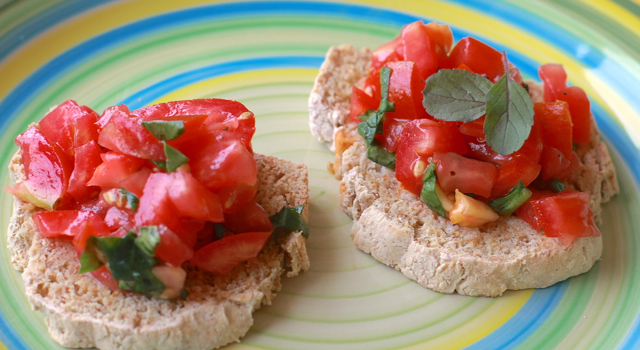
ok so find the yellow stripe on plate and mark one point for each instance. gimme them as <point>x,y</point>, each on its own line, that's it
<point>617,13</point>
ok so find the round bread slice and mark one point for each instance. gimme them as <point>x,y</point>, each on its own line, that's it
<point>82,313</point>
<point>399,230</point>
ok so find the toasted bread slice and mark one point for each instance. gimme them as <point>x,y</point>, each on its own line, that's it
<point>82,313</point>
<point>399,230</point>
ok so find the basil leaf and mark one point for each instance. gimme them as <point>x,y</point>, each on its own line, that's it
<point>513,200</point>
<point>370,126</point>
<point>174,160</point>
<point>290,218</point>
<point>219,229</point>
<point>428,194</point>
<point>132,199</point>
<point>509,115</point>
<point>165,130</point>
<point>148,239</point>
<point>89,260</point>
<point>456,95</point>
<point>378,154</point>
<point>556,185</point>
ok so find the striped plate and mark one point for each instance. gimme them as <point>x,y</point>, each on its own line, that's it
<point>266,54</point>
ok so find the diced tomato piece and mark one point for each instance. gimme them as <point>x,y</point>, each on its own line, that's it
<point>136,181</point>
<point>518,168</point>
<point>87,159</point>
<point>360,103</point>
<point>580,109</point>
<point>115,167</point>
<point>85,129</point>
<point>526,212</point>
<point>171,248</point>
<point>441,38</point>
<point>119,217</point>
<point>464,174</point>
<point>419,48</point>
<point>104,276</point>
<point>224,254</point>
<point>391,131</point>
<point>189,229</point>
<point>553,163</point>
<point>389,52</point>
<point>405,90</point>
<point>555,81</point>
<point>566,215</point>
<point>47,167</point>
<point>57,125</point>
<point>235,197</point>
<point>555,125</point>
<point>478,56</point>
<point>192,199</point>
<point>155,206</point>
<point>514,73</point>
<point>251,218</point>
<point>124,134</point>
<point>64,222</point>
<point>474,128</point>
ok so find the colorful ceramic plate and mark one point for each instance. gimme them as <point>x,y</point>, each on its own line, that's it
<point>266,54</point>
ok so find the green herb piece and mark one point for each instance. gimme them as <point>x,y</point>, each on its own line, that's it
<point>556,185</point>
<point>456,95</point>
<point>219,229</point>
<point>148,239</point>
<point>174,160</point>
<point>513,200</point>
<point>372,124</point>
<point>509,115</point>
<point>290,218</point>
<point>165,130</point>
<point>129,265</point>
<point>131,198</point>
<point>428,194</point>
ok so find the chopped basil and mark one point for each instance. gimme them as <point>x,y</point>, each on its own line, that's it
<point>219,229</point>
<point>556,185</point>
<point>372,124</point>
<point>456,95</point>
<point>428,194</point>
<point>513,200</point>
<point>148,239</point>
<point>129,264</point>
<point>290,218</point>
<point>132,199</point>
<point>165,130</point>
<point>509,115</point>
<point>174,160</point>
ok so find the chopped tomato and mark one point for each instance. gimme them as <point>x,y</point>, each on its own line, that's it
<point>124,134</point>
<point>192,199</point>
<point>405,90</point>
<point>64,222</point>
<point>478,56</point>
<point>115,167</point>
<point>526,212</point>
<point>251,218</point>
<point>171,248</point>
<point>235,197</point>
<point>87,159</point>
<point>555,125</point>
<point>553,163</point>
<point>580,109</point>
<point>155,206</point>
<point>474,128</point>
<point>441,38</point>
<point>224,254</point>
<point>57,125</point>
<point>566,215</point>
<point>104,276</point>
<point>135,182</point>
<point>418,141</point>
<point>419,48</point>
<point>119,217</point>
<point>555,81</point>
<point>464,174</point>
<point>360,103</point>
<point>189,229</point>
<point>389,52</point>
<point>85,129</point>
<point>391,131</point>
<point>518,168</point>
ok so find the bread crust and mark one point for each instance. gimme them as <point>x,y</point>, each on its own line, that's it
<point>82,313</point>
<point>399,230</point>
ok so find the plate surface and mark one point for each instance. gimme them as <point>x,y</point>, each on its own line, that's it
<point>266,54</point>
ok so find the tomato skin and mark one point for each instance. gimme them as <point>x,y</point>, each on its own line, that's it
<point>580,108</point>
<point>405,90</point>
<point>419,140</point>
<point>441,38</point>
<point>391,131</point>
<point>251,218</point>
<point>553,163</point>
<point>155,206</point>
<point>46,166</point>
<point>419,49</point>
<point>57,125</point>
<point>223,255</point>
<point>518,168</point>
<point>391,51</point>
<point>360,103</point>
<point>464,174</point>
<point>87,159</point>
<point>136,181</point>
<point>566,215</point>
<point>192,199</point>
<point>555,81</point>
<point>115,167</point>
<point>555,125</point>
<point>124,134</point>
<point>63,222</point>
<point>119,217</point>
<point>236,197</point>
<point>478,56</point>
<point>85,129</point>
<point>526,212</point>
<point>171,248</point>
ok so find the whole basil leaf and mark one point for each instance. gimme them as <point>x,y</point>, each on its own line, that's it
<point>456,95</point>
<point>509,115</point>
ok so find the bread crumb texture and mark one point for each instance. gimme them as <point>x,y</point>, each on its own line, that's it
<point>82,313</point>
